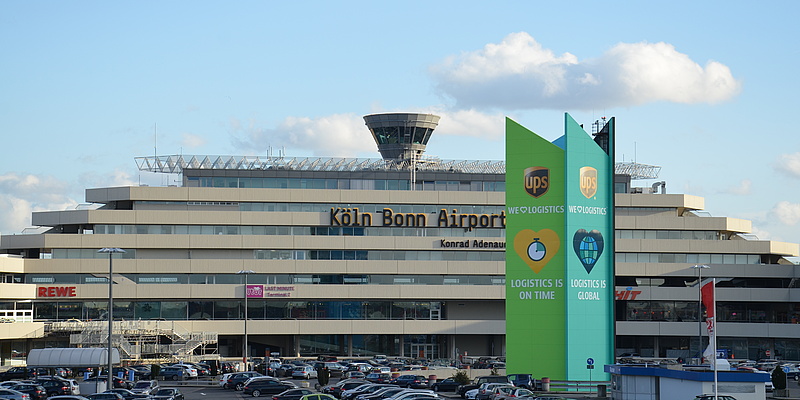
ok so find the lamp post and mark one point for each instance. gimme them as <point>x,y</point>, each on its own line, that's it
<point>245,272</point>
<point>700,268</point>
<point>110,251</point>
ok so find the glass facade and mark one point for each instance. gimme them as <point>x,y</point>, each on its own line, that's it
<point>344,184</point>
<point>234,310</point>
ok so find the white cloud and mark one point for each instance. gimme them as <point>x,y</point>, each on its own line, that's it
<point>192,141</point>
<point>340,135</point>
<point>742,189</point>
<point>789,163</point>
<point>471,123</point>
<point>346,135</point>
<point>22,194</point>
<point>519,74</point>
<point>786,212</point>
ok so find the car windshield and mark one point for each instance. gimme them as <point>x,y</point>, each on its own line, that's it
<point>164,392</point>
<point>142,385</point>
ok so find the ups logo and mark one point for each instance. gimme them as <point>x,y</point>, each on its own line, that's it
<point>588,182</point>
<point>537,181</point>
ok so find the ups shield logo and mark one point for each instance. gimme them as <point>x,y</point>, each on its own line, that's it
<point>588,182</point>
<point>537,181</point>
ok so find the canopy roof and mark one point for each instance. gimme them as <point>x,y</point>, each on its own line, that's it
<point>70,357</point>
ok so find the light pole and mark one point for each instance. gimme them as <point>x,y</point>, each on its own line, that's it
<point>245,272</point>
<point>110,251</point>
<point>700,268</point>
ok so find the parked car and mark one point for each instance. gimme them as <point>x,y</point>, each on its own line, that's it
<point>376,377</point>
<point>75,386</point>
<point>12,394</point>
<point>415,394</point>
<point>410,381</point>
<point>171,373</point>
<point>129,395</point>
<point>145,387</point>
<point>55,387</point>
<point>318,396</point>
<point>292,394</point>
<point>223,379</point>
<point>353,375</point>
<point>167,394</point>
<point>486,389</point>
<point>237,380</point>
<point>304,372</point>
<point>258,387</point>
<point>445,385</point>
<point>381,393</point>
<point>522,380</point>
<point>189,371</point>
<point>105,396</point>
<point>68,397</point>
<point>365,388</point>
<point>36,392</point>
<point>347,384</point>
<point>462,390</point>
<point>17,373</point>
<point>513,393</point>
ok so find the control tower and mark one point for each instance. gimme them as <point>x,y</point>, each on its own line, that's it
<point>401,136</point>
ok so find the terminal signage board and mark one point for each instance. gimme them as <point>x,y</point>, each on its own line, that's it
<point>559,252</point>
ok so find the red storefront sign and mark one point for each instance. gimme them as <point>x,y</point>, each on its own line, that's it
<point>56,291</point>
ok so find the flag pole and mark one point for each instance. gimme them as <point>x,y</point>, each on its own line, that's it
<point>714,332</point>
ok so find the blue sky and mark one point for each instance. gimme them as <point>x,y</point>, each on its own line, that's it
<point>706,90</point>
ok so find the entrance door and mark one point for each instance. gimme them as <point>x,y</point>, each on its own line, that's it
<point>424,350</point>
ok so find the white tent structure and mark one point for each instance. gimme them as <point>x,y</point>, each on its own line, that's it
<point>70,357</point>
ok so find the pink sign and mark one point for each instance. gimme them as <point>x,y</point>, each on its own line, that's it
<point>255,291</point>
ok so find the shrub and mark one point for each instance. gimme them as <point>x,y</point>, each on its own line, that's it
<point>462,377</point>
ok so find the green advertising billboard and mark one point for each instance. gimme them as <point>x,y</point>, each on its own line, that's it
<point>559,253</point>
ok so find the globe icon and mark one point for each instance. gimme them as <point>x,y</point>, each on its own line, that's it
<point>588,251</point>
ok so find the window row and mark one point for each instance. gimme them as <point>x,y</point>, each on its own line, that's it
<point>691,281</point>
<point>666,234</point>
<point>272,279</point>
<point>687,311</point>
<point>688,258</point>
<point>344,184</point>
<point>361,255</point>
<point>422,255</point>
<point>293,230</point>
<point>234,310</point>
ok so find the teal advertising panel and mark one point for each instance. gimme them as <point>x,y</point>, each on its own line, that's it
<point>559,253</point>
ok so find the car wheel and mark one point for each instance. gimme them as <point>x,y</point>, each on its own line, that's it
<point>174,377</point>
<point>256,393</point>
<point>239,386</point>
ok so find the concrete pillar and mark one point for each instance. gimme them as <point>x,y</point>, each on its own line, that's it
<point>349,345</point>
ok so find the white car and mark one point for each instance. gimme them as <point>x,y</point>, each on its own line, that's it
<point>74,386</point>
<point>470,394</point>
<point>145,387</point>
<point>188,370</point>
<point>224,379</point>
<point>415,394</point>
<point>306,372</point>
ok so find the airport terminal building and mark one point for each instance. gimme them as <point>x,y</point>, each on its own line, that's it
<point>402,255</point>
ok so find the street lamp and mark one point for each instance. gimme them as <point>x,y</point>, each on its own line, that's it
<point>245,272</point>
<point>700,268</point>
<point>110,251</point>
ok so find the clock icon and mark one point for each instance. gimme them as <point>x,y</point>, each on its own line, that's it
<point>536,250</point>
